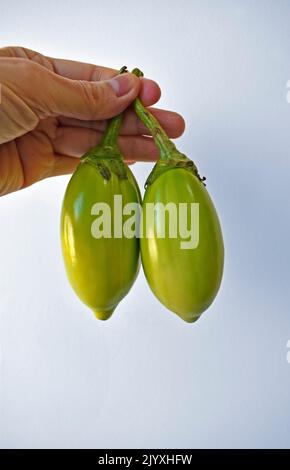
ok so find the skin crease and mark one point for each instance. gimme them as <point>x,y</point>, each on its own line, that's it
<point>53,110</point>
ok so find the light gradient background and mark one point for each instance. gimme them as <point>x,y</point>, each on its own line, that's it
<point>145,378</point>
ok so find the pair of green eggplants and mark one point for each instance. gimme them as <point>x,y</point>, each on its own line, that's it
<point>102,270</point>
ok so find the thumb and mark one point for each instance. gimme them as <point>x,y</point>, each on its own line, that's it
<point>91,100</point>
<point>50,94</point>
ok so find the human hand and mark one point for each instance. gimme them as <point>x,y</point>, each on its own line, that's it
<point>52,111</point>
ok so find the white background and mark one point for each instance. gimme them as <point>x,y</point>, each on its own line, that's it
<point>145,378</point>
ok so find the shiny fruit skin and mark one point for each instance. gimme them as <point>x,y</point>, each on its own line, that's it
<point>101,271</point>
<point>185,281</point>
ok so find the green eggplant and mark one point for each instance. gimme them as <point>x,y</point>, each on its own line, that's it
<point>187,278</point>
<point>101,270</point>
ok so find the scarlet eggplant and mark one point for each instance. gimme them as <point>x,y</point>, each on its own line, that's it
<point>101,269</point>
<point>185,278</point>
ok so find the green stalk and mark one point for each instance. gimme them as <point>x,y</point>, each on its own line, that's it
<point>170,157</point>
<point>165,145</point>
<point>110,136</point>
<point>106,156</point>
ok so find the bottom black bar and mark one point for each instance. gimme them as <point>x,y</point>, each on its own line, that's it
<point>145,458</point>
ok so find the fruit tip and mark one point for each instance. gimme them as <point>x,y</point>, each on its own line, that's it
<point>103,314</point>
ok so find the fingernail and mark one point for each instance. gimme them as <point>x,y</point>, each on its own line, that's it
<point>122,84</point>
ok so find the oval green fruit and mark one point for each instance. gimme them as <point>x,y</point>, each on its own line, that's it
<point>100,270</point>
<point>186,281</point>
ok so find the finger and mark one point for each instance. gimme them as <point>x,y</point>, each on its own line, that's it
<point>149,90</point>
<point>75,142</point>
<point>173,123</point>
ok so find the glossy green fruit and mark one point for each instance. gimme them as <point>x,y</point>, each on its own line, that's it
<point>186,281</point>
<point>100,270</point>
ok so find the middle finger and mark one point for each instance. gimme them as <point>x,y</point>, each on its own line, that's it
<point>74,142</point>
<point>173,123</point>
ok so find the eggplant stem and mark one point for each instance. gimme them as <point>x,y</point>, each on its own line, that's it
<point>165,145</point>
<point>169,155</point>
<point>110,135</point>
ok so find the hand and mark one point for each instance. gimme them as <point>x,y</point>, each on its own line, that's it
<point>52,111</point>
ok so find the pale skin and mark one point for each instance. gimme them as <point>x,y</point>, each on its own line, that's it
<point>53,110</point>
